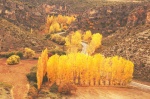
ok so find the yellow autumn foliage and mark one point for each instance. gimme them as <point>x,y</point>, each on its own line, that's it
<point>29,53</point>
<point>70,19</point>
<point>41,67</point>
<point>84,69</point>
<point>52,65</point>
<point>55,27</point>
<point>39,73</point>
<point>89,70</point>
<point>94,43</point>
<point>87,35</point>
<point>76,38</point>
<point>61,19</point>
<point>59,23</point>
<point>73,41</point>
<point>12,60</point>
<point>57,38</point>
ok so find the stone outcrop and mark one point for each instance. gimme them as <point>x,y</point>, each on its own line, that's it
<point>31,16</point>
<point>139,16</point>
<point>108,19</point>
<point>148,17</point>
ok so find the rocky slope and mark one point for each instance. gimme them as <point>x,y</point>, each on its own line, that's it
<point>132,44</point>
<point>29,14</point>
<point>33,13</point>
<point>105,17</point>
<point>108,18</point>
<point>15,38</point>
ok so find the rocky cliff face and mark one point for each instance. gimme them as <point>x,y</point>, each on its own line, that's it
<point>108,19</point>
<point>138,16</point>
<point>31,16</point>
<point>148,17</point>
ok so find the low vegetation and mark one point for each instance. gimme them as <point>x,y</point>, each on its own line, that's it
<point>8,54</point>
<point>29,53</point>
<point>57,24</point>
<point>58,39</point>
<point>12,60</point>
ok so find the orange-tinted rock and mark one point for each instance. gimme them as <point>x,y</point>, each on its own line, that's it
<point>148,18</point>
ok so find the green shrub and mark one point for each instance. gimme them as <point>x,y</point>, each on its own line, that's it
<point>32,75</point>
<point>7,55</point>
<point>47,36</point>
<point>57,52</point>
<point>57,39</point>
<point>54,88</point>
<point>14,59</point>
<point>20,54</point>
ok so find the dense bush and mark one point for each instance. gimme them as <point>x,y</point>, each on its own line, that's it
<point>59,23</point>
<point>8,54</point>
<point>53,52</point>
<point>29,53</point>
<point>54,88</point>
<point>58,39</point>
<point>32,77</point>
<point>20,54</point>
<point>47,36</point>
<point>14,59</point>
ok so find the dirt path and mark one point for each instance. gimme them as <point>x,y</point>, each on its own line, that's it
<point>16,76</point>
<point>109,93</point>
<point>125,0</point>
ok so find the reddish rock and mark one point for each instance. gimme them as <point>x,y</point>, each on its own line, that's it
<point>148,18</point>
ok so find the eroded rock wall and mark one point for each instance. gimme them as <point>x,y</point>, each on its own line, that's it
<point>108,19</point>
